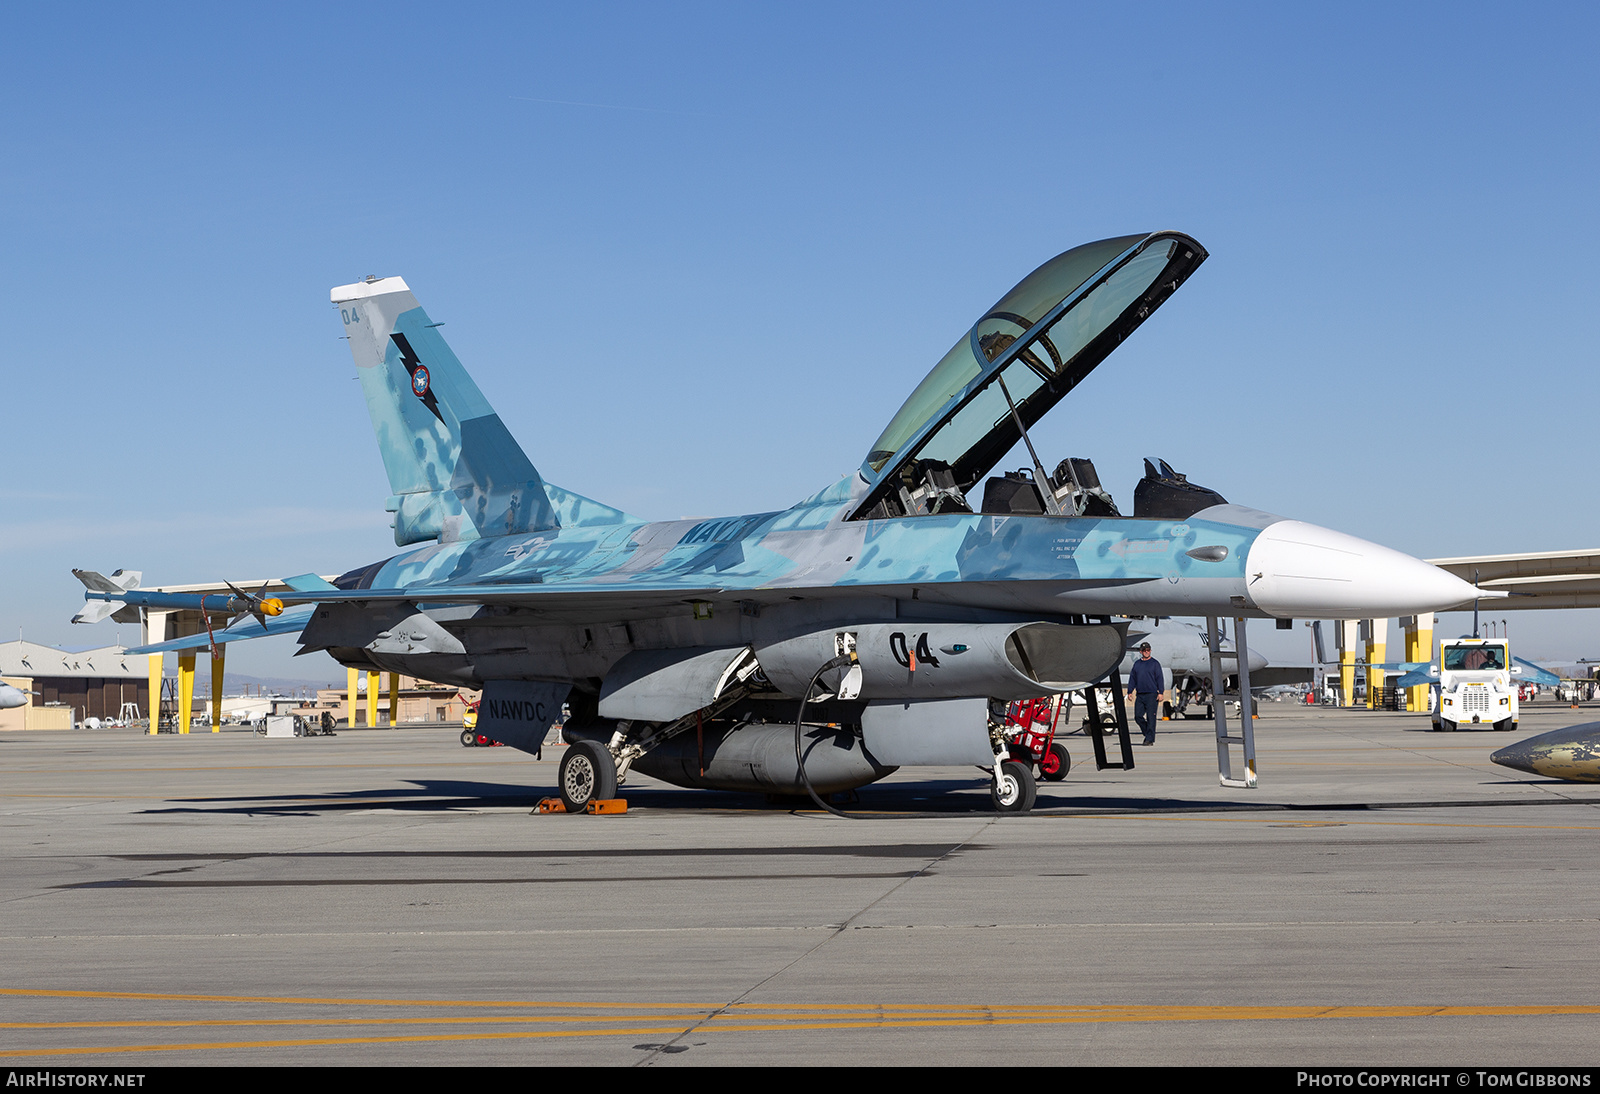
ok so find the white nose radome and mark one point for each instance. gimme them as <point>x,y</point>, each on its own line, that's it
<point>1299,569</point>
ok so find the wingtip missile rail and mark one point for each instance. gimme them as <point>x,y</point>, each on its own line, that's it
<point>235,603</point>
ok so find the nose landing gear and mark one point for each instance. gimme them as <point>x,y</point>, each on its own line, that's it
<point>1013,789</point>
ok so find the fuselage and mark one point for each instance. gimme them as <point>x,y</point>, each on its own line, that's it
<point>754,577</point>
<point>1218,562</point>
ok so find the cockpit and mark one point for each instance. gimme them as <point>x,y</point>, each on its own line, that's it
<point>1474,658</point>
<point>1021,358</point>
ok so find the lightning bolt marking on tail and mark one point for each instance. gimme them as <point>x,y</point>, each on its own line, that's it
<point>408,357</point>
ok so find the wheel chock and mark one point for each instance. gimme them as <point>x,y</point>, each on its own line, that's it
<point>597,807</point>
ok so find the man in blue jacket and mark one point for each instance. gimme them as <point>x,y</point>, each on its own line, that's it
<point>1147,689</point>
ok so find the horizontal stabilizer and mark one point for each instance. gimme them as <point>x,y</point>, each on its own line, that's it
<point>242,629</point>
<point>387,626</point>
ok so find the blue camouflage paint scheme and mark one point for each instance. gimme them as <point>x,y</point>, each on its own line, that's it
<point>509,579</point>
<point>485,525</point>
<point>454,468</point>
<point>811,545</point>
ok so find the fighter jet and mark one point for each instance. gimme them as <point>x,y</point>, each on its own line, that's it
<point>818,647</point>
<point>12,697</point>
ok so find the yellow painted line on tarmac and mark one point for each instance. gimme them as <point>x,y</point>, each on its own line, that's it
<point>738,1019</point>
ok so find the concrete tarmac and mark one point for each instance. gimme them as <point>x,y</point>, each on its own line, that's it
<point>1386,896</point>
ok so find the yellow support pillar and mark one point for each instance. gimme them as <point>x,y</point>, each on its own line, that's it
<point>154,705</point>
<point>216,688</point>
<point>1347,662</point>
<point>1419,647</point>
<point>1377,651</point>
<point>185,690</point>
<point>350,697</point>
<point>394,698</point>
<point>372,699</point>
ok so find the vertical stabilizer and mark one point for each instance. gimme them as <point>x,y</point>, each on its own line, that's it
<point>447,453</point>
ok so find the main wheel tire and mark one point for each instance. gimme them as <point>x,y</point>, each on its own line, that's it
<point>587,773</point>
<point>1055,763</point>
<point>468,738</point>
<point>1014,790</point>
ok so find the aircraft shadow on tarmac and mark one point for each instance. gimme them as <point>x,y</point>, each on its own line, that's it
<point>930,797</point>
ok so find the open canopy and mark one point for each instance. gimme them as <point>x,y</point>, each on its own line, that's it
<point>1039,341</point>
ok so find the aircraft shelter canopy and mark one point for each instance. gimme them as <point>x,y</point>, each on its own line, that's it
<point>1040,339</point>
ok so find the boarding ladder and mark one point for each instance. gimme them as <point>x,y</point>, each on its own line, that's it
<point>1219,677</point>
<point>1096,732</point>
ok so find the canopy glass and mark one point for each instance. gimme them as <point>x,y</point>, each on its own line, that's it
<point>1038,341</point>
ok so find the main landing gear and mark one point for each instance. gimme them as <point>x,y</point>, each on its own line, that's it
<point>587,773</point>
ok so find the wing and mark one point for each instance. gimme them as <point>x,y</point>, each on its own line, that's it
<point>1541,579</point>
<point>240,630</point>
<point>1533,674</point>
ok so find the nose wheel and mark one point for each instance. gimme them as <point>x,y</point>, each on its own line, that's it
<point>1013,788</point>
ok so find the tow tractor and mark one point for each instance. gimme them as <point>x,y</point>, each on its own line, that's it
<point>470,737</point>
<point>1475,684</point>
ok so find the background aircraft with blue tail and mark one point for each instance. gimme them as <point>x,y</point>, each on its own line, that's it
<point>1421,674</point>
<point>872,625</point>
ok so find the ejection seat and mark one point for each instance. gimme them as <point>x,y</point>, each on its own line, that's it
<point>1016,492</point>
<point>930,487</point>
<point>1164,494</point>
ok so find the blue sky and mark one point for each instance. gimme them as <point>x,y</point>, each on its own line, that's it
<point>696,255</point>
